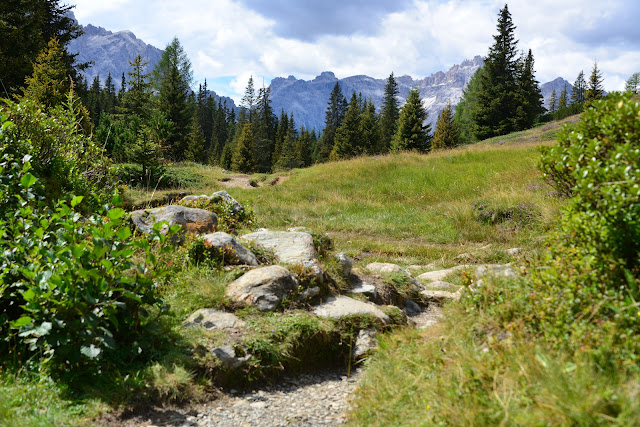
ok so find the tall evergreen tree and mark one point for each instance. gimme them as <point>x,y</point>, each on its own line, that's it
<point>370,128</point>
<point>579,89</point>
<point>553,102</point>
<point>447,133</point>
<point>633,84</point>
<point>172,78</point>
<point>594,90</point>
<point>389,114</point>
<point>49,83</point>
<point>412,133</point>
<point>336,109</point>
<point>468,103</point>
<point>243,157</point>
<point>562,101</point>
<point>303,148</point>
<point>248,102</point>
<point>348,140</point>
<point>529,96</point>
<point>93,100</point>
<point>498,95</point>
<point>109,98</point>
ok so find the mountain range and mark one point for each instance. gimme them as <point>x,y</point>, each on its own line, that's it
<point>111,52</point>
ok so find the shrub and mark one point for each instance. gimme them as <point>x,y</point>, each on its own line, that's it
<point>72,288</point>
<point>228,220</point>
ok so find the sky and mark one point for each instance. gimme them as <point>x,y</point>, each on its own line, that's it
<point>228,41</point>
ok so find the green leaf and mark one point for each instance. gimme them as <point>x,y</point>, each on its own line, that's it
<point>124,233</point>
<point>117,200</point>
<point>22,321</point>
<point>91,352</point>
<point>28,180</point>
<point>76,201</point>
<point>116,213</point>
<point>29,294</point>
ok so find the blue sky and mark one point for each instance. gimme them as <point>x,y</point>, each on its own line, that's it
<point>229,40</point>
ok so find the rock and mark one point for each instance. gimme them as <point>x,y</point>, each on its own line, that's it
<point>345,264</point>
<point>341,306</point>
<point>365,343</point>
<point>314,267</point>
<point>439,285</point>
<point>500,270</point>
<point>192,220</point>
<point>310,293</point>
<point>432,276</point>
<point>365,289</point>
<point>192,198</point>
<point>212,319</point>
<point>223,195</point>
<point>263,287</point>
<point>292,247</point>
<point>241,254</point>
<point>414,267</point>
<point>514,252</point>
<point>439,297</point>
<point>386,268</point>
<point>227,355</point>
<point>411,308</point>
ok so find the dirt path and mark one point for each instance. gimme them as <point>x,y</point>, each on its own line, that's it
<point>246,181</point>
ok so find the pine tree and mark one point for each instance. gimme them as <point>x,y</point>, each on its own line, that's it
<point>196,151</point>
<point>243,159</point>
<point>137,100</point>
<point>108,96</point>
<point>49,83</point>
<point>553,102</point>
<point>468,103</point>
<point>594,90</point>
<point>562,101</point>
<point>370,128</point>
<point>412,133</point>
<point>248,102</point>
<point>348,138</point>
<point>447,133</point>
<point>172,77</point>
<point>146,151</point>
<point>579,89</point>
<point>336,109</point>
<point>633,84</point>
<point>205,118</point>
<point>281,132</point>
<point>265,124</point>
<point>529,96</point>
<point>93,100</point>
<point>304,148</point>
<point>498,94</point>
<point>389,114</point>
<point>123,89</point>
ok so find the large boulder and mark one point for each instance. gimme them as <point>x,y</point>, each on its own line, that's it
<point>224,196</point>
<point>263,287</point>
<point>341,306</point>
<point>212,319</point>
<point>291,247</point>
<point>222,240</point>
<point>192,220</point>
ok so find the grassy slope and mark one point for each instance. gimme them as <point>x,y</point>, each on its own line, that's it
<point>405,208</point>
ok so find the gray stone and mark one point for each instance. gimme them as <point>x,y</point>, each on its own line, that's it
<point>221,240</point>
<point>345,263</point>
<point>514,252</point>
<point>292,247</point>
<point>365,289</point>
<point>192,220</point>
<point>440,285</point>
<point>411,308</point>
<point>498,270</point>
<point>227,356</point>
<point>212,319</point>
<point>433,276</point>
<point>193,198</point>
<point>223,195</point>
<point>386,268</point>
<point>439,297</point>
<point>316,270</point>
<point>341,306</point>
<point>263,287</point>
<point>310,293</point>
<point>365,343</point>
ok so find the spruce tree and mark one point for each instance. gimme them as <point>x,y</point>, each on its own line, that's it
<point>412,133</point>
<point>529,96</point>
<point>49,83</point>
<point>447,133</point>
<point>370,128</point>
<point>579,89</point>
<point>594,90</point>
<point>633,84</point>
<point>553,102</point>
<point>196,150</point>
<point>265,125</point>
<point>303,147</point>
<point>248,102</point>
<point>498,94</point>
<point>93,100</point>
<point>389,114</point>
<point>348,140</point>
<point>172,77</point>
<point>468,103</point>
<point>562,101</point>
<point>336,109</point>
<point>137,100</point>
<point>243,156</point>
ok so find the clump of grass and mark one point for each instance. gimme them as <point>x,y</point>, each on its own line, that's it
<point>172,383</point>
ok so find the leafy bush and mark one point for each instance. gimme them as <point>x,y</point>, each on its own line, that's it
<point>64,159</point>
<point>228,220</point>
<point>71,288</point>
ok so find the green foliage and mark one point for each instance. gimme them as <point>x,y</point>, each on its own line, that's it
<point>447,134</point>
<point>594,90</point>
<point>633,83</point>
<point>49,83</point>
<point>579,89</point>
<point>243,155</point>
<point>389,115</point>
<point>65,160</point>
<point>469,103</point>
<point>412,133</point>
<point>229,220</point>
<point>70,287</point>
<point>348,140</point>
<point>336,109</point>
<point>595,258</point>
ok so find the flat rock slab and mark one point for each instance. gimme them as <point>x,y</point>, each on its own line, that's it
<point>500,270</point>
<point>439,297</point>
<point>263,287</point>
<point>341,306</point>
<point>386,268</point>
<point>241,254</point>
<point>192,220</point>
<point>212,319</point>
<point>433,276</point>
<point>291,247</point>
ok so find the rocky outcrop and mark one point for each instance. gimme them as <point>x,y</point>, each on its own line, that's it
<point>263,287</point>
<point>229,357</point>
<point>192,220</point>
<point>212,319</point>
<point>224,196</point>
<point>240,255</point>
<point>365,343</point>
<point>291,247</point>
<point>341,306</point>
